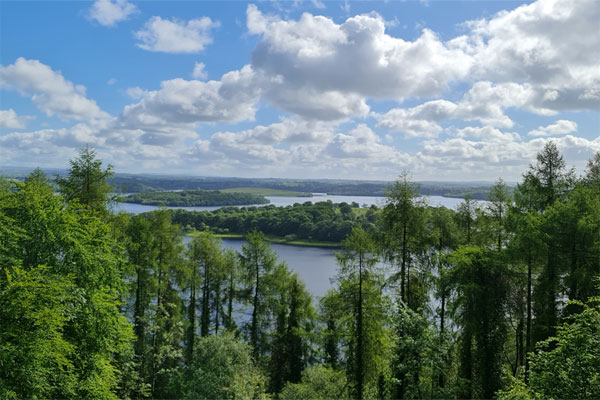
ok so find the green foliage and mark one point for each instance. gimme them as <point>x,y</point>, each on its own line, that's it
<point>194,198</point>
<point>222,368</point>
<point>479,278</point>
<point>566,366</point>
<point>86,182</point>
<point>318,382</point>
<point>35,308</point>
<point>322,221</point>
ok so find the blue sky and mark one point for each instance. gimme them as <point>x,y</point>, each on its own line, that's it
<point>448,90</point>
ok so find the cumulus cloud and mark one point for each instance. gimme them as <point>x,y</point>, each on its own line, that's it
<point>316,56</point>
<point>199,72</point>
<point>9,119</point>
<point>560,127</point>
<point>176,36</point>
<point>542,57</point>
<point>179,101</point>
<point>49,90</point>
<point>484,102</point>
<point>108,12</point>
<point>301,145</point>
<point>486,152</point>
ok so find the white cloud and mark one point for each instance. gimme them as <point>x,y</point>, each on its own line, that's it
<point>494,154</point>
<point>136,92</point>
<point>9,119</point>
<point>199,71</point>
<point>317,51</point>
<point>560,127</point>
<point>512,54</point>
<point>179,101</point>
<point>108,12</point>
<point>484,102</point>
<point>111,81</point>
<point>300,147</point>
<point>49,90</point>
<point>175,36</point>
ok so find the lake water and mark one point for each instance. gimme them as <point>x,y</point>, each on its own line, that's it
<point>314,265</point>
<point>282,201</point>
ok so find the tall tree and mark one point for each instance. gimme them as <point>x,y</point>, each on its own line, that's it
<point>402,219</point>
<point>357,260</point>
<point>499,202</point>
<point>86,181</point>
<point>258,260</point>
<point>167,324</point>
<point>479,278</point>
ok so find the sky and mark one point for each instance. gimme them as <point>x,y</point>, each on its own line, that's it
<point>446,90</point>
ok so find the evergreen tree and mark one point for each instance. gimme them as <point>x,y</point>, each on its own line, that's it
<point>86,182</point>
<point>258,261</point>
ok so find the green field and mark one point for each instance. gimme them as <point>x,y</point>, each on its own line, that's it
<point>267,192</point>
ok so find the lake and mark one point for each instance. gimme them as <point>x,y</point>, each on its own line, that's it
<point>314,265</point>
<point>282,201</point>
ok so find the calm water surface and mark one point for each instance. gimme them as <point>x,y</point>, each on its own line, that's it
<point>314,265</point>
<point>282,201</point>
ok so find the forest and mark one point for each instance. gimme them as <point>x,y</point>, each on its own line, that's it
<point>194,198</point>
<point>501,301</point>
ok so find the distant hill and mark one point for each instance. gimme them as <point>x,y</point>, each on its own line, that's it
<point>134,183</point>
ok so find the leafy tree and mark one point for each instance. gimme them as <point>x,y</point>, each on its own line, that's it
<point>401,217</point>
<point>361,290</point>
<point>36,358</point>
<point>330,315</point>
<point>566,366</point>
<point>258,260</point>
<point>87,182</point>
<point>167,321</point>
<point>465,217</point>
<point>80,248</point>
<point>479,277</point>
<point>222,368</point>
<point>318,382</point>
<point>233,275</point>
<point>592,173</point>
<point>294,323</point>
<point>499,202</point>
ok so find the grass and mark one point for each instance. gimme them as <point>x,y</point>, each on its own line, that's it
<point>275,239</point>
<point>267,192</point>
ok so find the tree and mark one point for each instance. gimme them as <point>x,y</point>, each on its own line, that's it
<point>142,255</point>
<point>318,382</point>
<point>479,308</point>
<point>403,220</point>
<point>87,182</point>
<point>76,249</point>
<point>465,216</point>
<point>592,173</point>
<point>222,368</point>
<point>294,321</point>
<point>567,365</point>
<point>499,202</point>
<point>258,260</point>
<point>167,322</point>
<point>36,358</point>
<point>357,260</point>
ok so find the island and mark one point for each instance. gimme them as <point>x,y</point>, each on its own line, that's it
<point>194,198</point>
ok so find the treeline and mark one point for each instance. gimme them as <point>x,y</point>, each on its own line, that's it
<point>322,221</point>
<point>427,303</point>
<point>128,183</point>
<point>194,198</point>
